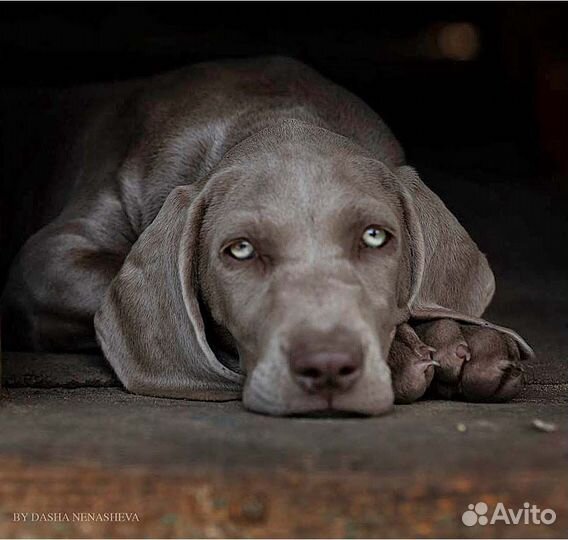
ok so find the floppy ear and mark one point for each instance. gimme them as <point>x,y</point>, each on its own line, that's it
<point>448,277</point>
<point>149,325</point>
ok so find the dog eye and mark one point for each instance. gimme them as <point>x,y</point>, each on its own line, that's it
<point>241,250</point>
<point>375,237</point>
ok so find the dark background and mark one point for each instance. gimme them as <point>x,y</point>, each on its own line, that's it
<point>475,92</point>
<point>509,90</point>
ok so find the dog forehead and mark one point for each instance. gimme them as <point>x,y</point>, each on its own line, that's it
<point>302,177</point>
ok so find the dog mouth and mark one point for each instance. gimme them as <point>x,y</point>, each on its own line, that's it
<point>341,406</point>
<point>332,408</point>
<point>329,413</point>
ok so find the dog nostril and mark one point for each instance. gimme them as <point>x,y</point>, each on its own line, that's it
<point>312,373</point>
<point>347,370</point>
<point>325,371</point>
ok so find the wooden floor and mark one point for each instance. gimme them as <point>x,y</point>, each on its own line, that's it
<point>190,469</point>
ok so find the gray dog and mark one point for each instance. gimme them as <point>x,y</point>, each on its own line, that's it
<point>251,229</point>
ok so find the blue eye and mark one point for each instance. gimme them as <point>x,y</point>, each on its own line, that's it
<point>375,237</point>
<point>241,250</point>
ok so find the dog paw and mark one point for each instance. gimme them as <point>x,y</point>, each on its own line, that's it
<point>412,366</point>
<point>476,363</point>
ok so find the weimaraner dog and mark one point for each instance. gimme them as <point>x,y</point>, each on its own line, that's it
<point>250,229</point>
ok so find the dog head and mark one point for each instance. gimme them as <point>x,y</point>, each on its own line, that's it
<point>300,252</point>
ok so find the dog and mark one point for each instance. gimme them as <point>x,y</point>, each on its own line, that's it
<point>248,229</point>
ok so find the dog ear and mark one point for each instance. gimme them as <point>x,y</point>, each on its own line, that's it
<point>447,275</point>
<point>149,325</point>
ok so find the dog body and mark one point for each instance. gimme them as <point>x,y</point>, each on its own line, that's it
<point>252,225</point>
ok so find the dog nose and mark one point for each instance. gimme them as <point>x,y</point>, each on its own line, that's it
<point>326,371</point>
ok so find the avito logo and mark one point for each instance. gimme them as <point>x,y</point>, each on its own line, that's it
<point>478,514</point>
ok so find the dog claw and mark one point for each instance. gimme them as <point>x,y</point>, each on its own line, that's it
<point>424,352</point>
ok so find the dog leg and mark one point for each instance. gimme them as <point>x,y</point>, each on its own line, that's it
<point>55,287</point>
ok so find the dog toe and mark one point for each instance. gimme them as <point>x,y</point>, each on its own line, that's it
<point>412,369</point>
<point>493,374</point>
<point>451,348</point>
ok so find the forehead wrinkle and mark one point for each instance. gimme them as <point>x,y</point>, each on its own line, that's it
<point>294,197</point>
<point>253,223</point>
<point>376,212</point>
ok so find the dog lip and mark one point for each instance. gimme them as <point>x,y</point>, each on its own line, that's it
<point>330,413</point>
